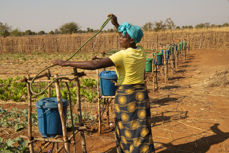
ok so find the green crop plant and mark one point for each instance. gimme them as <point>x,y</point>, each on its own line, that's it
<point>13,89</point>
<point>15,118</point>
<point>17,145</point>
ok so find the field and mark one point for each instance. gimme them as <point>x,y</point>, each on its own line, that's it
<point>189,112</point>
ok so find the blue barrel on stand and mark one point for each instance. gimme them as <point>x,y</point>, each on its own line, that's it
<point>158,58</point>
<point>49,123</point>
<point>107,82</point>
<point>165,54</point>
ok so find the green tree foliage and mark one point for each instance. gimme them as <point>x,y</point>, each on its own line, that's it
<point>148,26</point>
<point>202,25</point>
<point>187,27</point>
<point>51,32</point>
<point>4,30</point>
<point>16,32</point>
<point>90,30</point>
<point>69,28</point>
<point>41,32</point>
<point>29,32</point>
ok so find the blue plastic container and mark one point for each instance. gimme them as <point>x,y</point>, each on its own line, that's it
<point>49,123</point>
<point>107,83</point>
<point>158,59</point>
<point>165,54</point>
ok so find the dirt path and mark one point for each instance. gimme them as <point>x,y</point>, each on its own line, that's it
<point>189,113</point>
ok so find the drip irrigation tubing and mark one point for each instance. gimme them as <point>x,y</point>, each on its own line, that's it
<point>39,93</point>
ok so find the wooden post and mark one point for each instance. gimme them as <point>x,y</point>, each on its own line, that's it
<point>49,88</point>
<point>29,116</point>
<point>176,62</point>
<point>166,71</point>
<point>62,117</point>
<point>108,105</point>
<point>165,67</point>
<point>154,70</point>
<point>72,122</point>
<point>83,140</point>
<point>99,99</point>
<point>156,77</point>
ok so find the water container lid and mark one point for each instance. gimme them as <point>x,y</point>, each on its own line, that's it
<point>108,75</point>
<point>46,103</point>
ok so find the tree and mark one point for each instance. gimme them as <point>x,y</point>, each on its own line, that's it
<point>41,32</point>
<point>147,26</point>
<point>51,32</point>
<point>29,32</point>
<point>187,27</point>
<point>203,25</point>
<point>16,32</point>
<point>169,23</point>
<point>177,27</point>
<point>4,30</point>
<point>159,26</point>
<point>57,31</point>
<point>225,24</point>
<point>69,28</point>
<point>89,29</point>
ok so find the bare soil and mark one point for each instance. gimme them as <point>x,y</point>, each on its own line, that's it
<point>189,112</point>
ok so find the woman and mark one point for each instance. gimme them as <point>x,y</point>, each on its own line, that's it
<point>132,108</point>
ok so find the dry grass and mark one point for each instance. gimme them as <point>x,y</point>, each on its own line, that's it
<point>197,38</point>
<point>219,79</point>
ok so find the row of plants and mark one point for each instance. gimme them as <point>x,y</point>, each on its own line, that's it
<point>18,119</point>
<point>17,145</point>
<point>13,89</point>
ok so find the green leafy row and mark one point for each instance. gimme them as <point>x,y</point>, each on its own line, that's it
<point>13,89</point>
<point>17,145</point>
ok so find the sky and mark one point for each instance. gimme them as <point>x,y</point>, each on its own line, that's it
<point>47,15</point>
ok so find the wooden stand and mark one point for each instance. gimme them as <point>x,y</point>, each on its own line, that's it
<point>65,139</point>
<point>107,102</point>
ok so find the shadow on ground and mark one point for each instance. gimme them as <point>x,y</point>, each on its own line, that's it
<point>170,87</point>
<point>201,145</point>
<point>168,116</point>
<point>163,101</point>
<point>176,78</point>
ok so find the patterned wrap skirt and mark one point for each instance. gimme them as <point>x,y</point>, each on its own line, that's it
<point>133,120</point>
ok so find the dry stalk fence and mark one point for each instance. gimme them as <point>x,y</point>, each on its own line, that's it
<point>197,39</point>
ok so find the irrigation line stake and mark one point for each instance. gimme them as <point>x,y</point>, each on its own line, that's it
<point>62,117</point>
<point>29,117</point>
<point>83,139</point>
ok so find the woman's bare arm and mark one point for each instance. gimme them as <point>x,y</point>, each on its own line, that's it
<point>88,65</point>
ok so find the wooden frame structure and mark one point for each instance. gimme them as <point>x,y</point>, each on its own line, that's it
<point>66,139</point>
<point>108,102</point>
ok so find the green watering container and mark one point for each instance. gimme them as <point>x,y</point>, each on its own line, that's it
<point>148,67</point>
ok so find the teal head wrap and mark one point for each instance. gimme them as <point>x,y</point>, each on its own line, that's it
<point>135,32</point>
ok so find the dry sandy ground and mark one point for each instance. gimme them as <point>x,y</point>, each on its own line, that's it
<point>189,113</point>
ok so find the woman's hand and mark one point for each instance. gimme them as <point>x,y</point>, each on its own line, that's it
<point>59,62</point>
<point>114,20</point>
